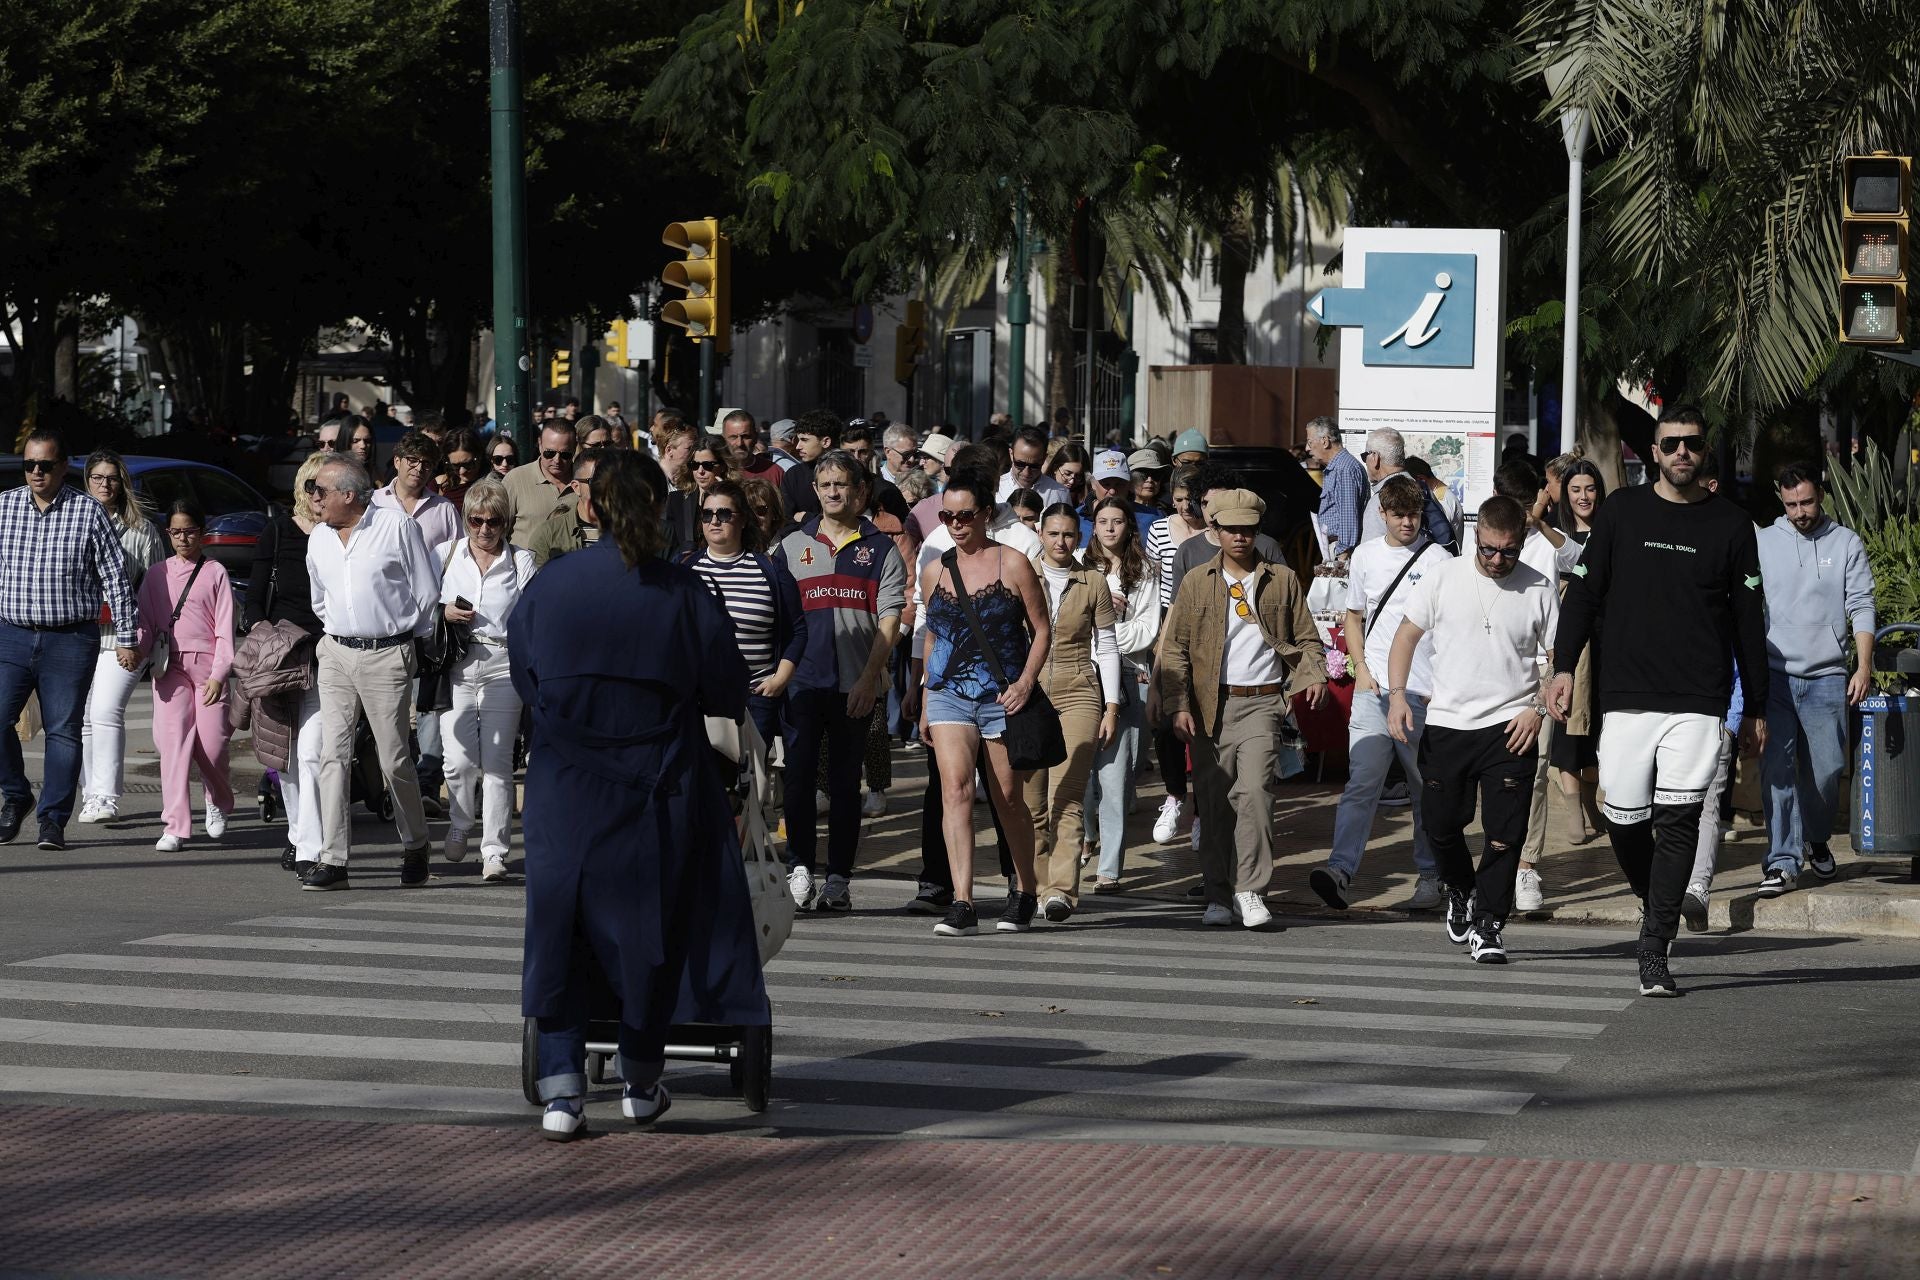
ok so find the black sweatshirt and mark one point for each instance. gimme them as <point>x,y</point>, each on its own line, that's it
<point>1676,589</point>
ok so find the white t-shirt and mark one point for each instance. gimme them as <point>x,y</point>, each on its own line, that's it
<point>1371,570</point>
<point>1486,635</point>
<point>1249,658</point>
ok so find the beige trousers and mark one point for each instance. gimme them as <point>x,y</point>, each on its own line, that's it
<point>379,681</point>
<point>1536,842</point>
<point>1233,783</point>
<point>1055,798</point>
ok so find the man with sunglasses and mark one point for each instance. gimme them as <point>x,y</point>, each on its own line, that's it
<point>60,557</point>
<point>544,484</point>
<point>1490,617</point>
<point>1669,585</point>
<point>1028,455</point>
<point>573,528</point>
<point>1238,645</point>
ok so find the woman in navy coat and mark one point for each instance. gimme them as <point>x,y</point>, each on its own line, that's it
<point>634,875</point>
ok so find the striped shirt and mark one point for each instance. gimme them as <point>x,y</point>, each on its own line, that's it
<point>1160,547</point>
<point>57,566</point>
<point>747,597</point>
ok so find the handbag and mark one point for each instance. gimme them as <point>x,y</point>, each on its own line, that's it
<point>162,648</point>
<point>1033,738</point>
<point>438,652</point>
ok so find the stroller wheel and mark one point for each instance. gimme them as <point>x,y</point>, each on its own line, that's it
<point>384,809</point>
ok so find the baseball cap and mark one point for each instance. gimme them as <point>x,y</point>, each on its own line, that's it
<point>781,430</point>
<point>1190,441</point>
<point>1146,460</point>
<point>1235,507</point>
<point>937,447</point>
<point>1111,465</point>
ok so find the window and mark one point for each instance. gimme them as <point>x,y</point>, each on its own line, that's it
<point>1203,346</point>
<point>223,495</point>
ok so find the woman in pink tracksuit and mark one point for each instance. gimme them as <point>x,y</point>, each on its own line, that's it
<point>187,598</point>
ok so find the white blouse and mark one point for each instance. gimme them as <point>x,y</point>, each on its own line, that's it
<point>493,594</point>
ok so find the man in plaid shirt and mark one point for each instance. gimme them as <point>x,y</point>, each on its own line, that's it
<point>59,559</point>
<point>1343,487</point>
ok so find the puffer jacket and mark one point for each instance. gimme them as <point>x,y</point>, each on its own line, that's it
<point>274,666</point>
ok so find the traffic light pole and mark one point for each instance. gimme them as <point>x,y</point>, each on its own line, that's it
<point>1019,311</point>
<point>511,363</point>
<point>1576,127</point>
<point>706,385</point>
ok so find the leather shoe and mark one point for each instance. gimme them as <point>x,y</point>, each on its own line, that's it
<point>326,876</point>
<point>286,858</point>
<point>413,866</point>
<point>12,814</point>
<point>302,868</point>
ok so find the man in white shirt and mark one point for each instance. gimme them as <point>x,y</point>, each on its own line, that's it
<point>1028,456</point>
<point>1489,616</point>
<point>415,459</point>
<point>1382,575</point>
<point>374,588</point>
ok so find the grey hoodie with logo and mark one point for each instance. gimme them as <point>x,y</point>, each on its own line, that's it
<point>1819,590</point>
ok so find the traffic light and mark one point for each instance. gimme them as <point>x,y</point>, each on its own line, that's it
<point>560,369</point>
<point>616,344</point>
<point>910,342</point>
<point>1876,203</point>
<point>703,276</point>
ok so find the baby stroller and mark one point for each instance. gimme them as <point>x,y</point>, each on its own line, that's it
<point>746,1051</point>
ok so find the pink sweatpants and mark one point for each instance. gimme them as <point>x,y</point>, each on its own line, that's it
<point>189,735</point>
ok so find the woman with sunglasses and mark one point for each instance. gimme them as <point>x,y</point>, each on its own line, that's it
<point>707,464</point>
<point>1134,585</point>
<point>1082,679</point>
<point>464,462</point>
<point>187,601</point>
<point>103,734</point>
<point>502,455</point>
<point>479,586</point>
<point>1164,537</point>
<point>1068,469</point>
<point>761,597</point>
<point>595,430</point>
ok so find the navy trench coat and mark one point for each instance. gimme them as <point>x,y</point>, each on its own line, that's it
<point>629,834</point>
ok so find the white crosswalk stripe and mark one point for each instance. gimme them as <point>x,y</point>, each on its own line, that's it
<point>1129,1026</point>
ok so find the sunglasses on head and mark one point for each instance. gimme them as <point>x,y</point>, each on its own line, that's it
<point>959,517</point>
<point>565,455</point>
<point>1695,445</point>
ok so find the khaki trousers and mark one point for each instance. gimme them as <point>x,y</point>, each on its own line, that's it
<point>1056,797</point>
<point>1536,841</point>
<point>380,682</point>
<point>1233,784</point>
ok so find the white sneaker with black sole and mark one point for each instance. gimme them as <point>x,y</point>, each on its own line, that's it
<point>1775,883</point>
<point>1528,892</point>
<point>1459,916</point>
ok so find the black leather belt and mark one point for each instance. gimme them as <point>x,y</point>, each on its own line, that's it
<point>55,626</point>
<point>375,642</point>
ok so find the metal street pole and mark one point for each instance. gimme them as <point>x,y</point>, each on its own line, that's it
<point>1576,128</point>
<point>1019,312</point>
<point>511,363</point>
<point>706,382</point>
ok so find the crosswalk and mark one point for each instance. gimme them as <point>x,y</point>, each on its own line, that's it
<point>1129,1025</point>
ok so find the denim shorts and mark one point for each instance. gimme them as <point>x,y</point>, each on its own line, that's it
<point>944,706</point>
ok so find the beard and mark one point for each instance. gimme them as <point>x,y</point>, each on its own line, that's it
<point>1677,471</point>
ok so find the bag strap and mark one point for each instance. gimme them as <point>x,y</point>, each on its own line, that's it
<point>952,562</point>
<point>1382,606</point>
<point>186,591</point>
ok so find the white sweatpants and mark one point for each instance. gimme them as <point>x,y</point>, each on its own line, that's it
<point>1655,757</point>
<point>476,741</point>
<point>300,782</point>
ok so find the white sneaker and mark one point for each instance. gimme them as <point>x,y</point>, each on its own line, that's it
<point>1216,915</point>
<point>646,1105</point>
<point>874,805</point>
<point>98,809</point>
<point>1251,909</point>
<point>216,823</point>
<point>1526,890</point>
<point>1426,894</point>
<point>493,868</point>
<point>169,844</point>
<point>564,1118</point>
<point>1196,835</point>
<point>1167,825</point>
<point>800,884</point>
<point>456,846</point>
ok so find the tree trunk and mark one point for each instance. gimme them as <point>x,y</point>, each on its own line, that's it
<point>1235,264</point>
<point>66,354</point>
<point>1060,388</point>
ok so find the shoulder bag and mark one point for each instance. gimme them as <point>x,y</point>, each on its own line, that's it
<point>1033,738</point>
<point>162,648</point>
<point>438,652</point>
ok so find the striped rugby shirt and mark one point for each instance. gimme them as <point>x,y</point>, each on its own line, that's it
<point>844,591</point>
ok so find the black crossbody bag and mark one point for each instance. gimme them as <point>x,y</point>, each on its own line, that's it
<point>1392,587</point>
<point>1033,738</point>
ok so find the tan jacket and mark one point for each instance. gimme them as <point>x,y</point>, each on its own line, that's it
<point>1085,606</point>
<point>1194,640</point>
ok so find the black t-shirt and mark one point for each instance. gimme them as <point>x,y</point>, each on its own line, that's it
<point>1675,587</point>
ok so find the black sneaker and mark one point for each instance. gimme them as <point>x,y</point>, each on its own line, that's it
<point>1655,979</point>
<point>53,837</point>
<point>961,922</point>
<point>303,868</point>
<point>12,814</point>
<point>1693,910</point>
<point>1484,943</point>
<point>1459,916</point>
<point>1775,883</point>
<point>1328,886</point>
<point>413,866</point>
<point>932,900</point>
<point>1018,917</point>
<point>1820,861</point>
<point>326,876</point>
<point>287,856</point>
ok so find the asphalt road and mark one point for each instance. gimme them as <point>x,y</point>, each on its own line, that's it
<point>206,980</point>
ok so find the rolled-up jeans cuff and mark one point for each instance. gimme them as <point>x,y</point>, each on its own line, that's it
<point>571,1085</point>
<point>640,1075</point>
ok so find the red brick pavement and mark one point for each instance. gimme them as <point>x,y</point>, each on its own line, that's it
<point>96,1192</point>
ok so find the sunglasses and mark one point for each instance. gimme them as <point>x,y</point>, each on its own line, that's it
<point>485,522</point>
<point>41,466</point>
<point>565,455</point>
<point>1237,592</point>
<point>1695,445</point>
<point>959,517</point>
<point>1498,553</point>
<point>718,515</point>
<point>1025,466</point>
<point>502,459</point>
<point>465,464</point>
<point>709,466</point>
<point>320,490</point>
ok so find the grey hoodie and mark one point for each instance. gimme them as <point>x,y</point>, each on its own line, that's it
<point>1816,585</point>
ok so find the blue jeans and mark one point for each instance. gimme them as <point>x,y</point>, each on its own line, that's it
<point>1370,752</point>
<point>1805,756</point>
<point>769,716</point>
<point>59,664</point>
<point>561,1048</point>
<point>1110,790</point>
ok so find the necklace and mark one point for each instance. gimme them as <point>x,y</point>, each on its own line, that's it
<point>1479,598</point>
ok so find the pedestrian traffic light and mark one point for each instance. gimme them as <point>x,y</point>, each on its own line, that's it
<point>703,276</point>
<point>1876,205</point>
<point>560,369</point>
<point>910,342</point>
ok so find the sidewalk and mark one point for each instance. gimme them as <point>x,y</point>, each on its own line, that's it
<point>1870,898</point>
<point>149,1194</point>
